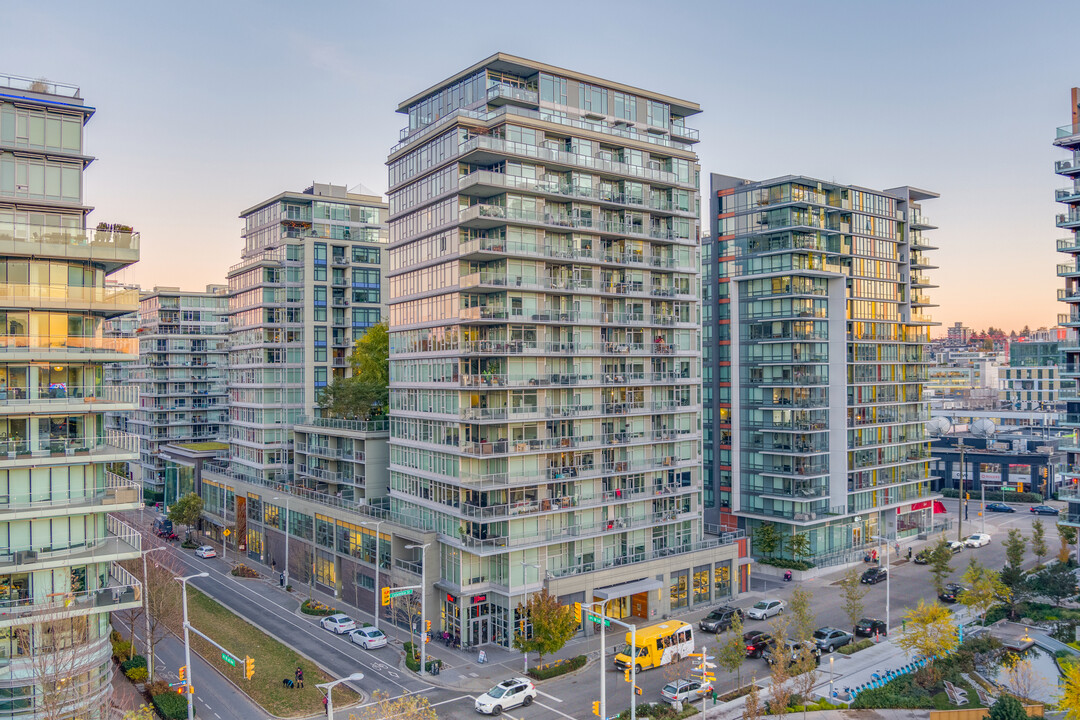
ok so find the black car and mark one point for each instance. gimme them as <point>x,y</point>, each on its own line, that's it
<point>923,556</point>
<point>868,626</point>
<point>874,575</point>
<point>1044,510</point>
<point>719,619</point>
<point>999,507</point>
<point>756,643</point>
<point>951,593</point>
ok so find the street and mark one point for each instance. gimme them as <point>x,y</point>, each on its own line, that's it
<point>265,605</point>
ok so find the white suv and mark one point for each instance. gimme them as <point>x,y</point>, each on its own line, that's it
<point>505,695</point>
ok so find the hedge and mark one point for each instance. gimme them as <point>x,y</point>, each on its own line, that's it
<point>171,706</point>
<point>136,661</point>
<point>314,607</point>
<point>412,659</point>
<point>558,668</point>
<point>787,564</point>
<point>852,648</point>
<point>1016,497</point>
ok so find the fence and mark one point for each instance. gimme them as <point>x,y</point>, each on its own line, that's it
<point>978,713</point>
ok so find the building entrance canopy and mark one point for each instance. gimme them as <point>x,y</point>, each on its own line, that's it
<point>627,589</point>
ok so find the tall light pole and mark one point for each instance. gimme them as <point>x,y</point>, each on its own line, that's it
<point>330,694</point>
<point>423,604</point>
<point>523,583</point>
<point>960,508</point>
<point>286,572</point>
<point>146,612</point>
<point>377,558</point>
<point>187,645</point>
<point>888,580</point>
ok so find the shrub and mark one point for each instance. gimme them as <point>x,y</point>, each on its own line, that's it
<point>244,571</point>
<point>655,710</point>
<point>158,687</point>
<point>555,669</point>
<point>188,545</point>
<point>852,648</point>
<point>136,661</point>
<point>137,674</point>
<point>1024,497</point>
<point>171,706</point>
<point>121,650</point>
<point>314,607</point>
<point>787,564</point>
<point>115,636</point>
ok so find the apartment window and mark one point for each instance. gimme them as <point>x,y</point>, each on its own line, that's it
<point>552,89</point>
<point>626,107</point>
<point>320,296</point>
<point>320,273</point>
<point>592,98</point>
<point>320,253</point>
<point>320,377</point>
<point>365,255</point>
<point>659,114</point>
<point>320,314</point>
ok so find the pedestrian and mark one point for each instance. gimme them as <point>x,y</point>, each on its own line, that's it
<point>281,579</point>
<point>909,552</point>
<point>325,705</point>
<point>299,676</point>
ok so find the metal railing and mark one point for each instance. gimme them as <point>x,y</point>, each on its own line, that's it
<point>382,425</point>
<point>123,589</point>
<point>705,544</point>
<point>67,394</point>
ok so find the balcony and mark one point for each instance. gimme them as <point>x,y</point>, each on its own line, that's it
<point>918,221</point>
<point>1069,220</point>
<point>118,491</point>
<point>502,94</point>
<point>525,347</point>
<point>499,246</point>
<point>122,542</point>
<point>727,538</point>
<point>1067,136</point>
<point>112,248</point>
<point>123,592</point>
<point>1067,270</point>
<point>485,216</point>
<point>66,347</point>
<point>112,446</point>
<point>71,399</point>
<point>681,131</point>
<point>1068,245</point>
<point>1067,167</point>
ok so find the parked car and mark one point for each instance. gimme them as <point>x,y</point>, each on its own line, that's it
<point>756,642</point>
<point>951,593</point>
<point>867,627</point>
<point>1000,507</point>
<point>368,638</point>
<point>683,691</point>
<point>923,556</point>
<point>505,695</point>
<point>977,540</point>
<point>205,551</point>
<point>338,624</point>
<point>1044,510</point>
<point>766,609</point>
<point>874,575</point>
<point>719,619</point>
<point>956,546</point>
<point>828,638</point>
<point>790,651</point>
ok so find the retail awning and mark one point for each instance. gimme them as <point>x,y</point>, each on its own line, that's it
<point>627,589</point>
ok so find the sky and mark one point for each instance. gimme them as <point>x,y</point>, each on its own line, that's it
<point>204,109</point>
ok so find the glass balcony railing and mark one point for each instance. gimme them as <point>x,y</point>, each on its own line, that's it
<point>1067,131</point>
<point>125,346</point>
<point>16,397</point>
<point>122,592</point>
<point>50,241</point>
<point>109,443</point>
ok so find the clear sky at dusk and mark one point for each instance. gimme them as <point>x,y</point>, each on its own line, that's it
<point>207,108</point>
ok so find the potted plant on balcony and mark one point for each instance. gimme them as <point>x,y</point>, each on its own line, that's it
<point>56,448</point>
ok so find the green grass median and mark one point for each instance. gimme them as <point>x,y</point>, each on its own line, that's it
<point>273,661</point>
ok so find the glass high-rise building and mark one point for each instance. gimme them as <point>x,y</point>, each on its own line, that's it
<point>1068,138</point>
<point>818,362</point>
<point>545,345</point>
<point>59,545</point>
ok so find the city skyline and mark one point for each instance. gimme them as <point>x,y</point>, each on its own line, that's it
<point>923,121</point>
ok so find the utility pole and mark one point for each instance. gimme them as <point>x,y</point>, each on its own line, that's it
<point>423,602</point>
<point>960,513</point>
<point>189,690</point>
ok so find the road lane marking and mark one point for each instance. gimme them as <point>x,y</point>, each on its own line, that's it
<point>557,712</point>
<point>541,692</point>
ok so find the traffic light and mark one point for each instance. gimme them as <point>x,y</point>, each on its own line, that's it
<point>1019,487</point>
<point>577,608</point>
<point>249,666</point>
<point>968,497</point>
<point>637,690</point>
<point>596,708</point>
<point>386,596</point>
<point>427,628</point>
<point>626,674</point>
<point>183,673</point>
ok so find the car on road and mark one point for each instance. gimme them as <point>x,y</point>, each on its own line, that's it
<point>977,540</point>
<point>1000,507</point>
<point>756,642</point>
<point>368,638</point>
<point>867,627</point>
<point>338,624</point>
<point>766,609</point>
<point>1044,510</point>
<point>874,575</point>
<point>683,691</point>
<point>956,546</point>
<point>507,694</point>
<point>719,619</point>
<point>791,651</point>
<point>829,638</point>
<point>951,593</point>
<point>205,551</point>
<point>923,556</point>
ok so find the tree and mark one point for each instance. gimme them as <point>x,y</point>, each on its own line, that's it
<point>941,564</point>
<point>144,712</point>
<point>1067,533</point>
<point>1063,556</point>
<point>162,601</point>
<point>766,539</point>
<point>984,589</point>
<point>370,358</point>
<point>780,670</point>
<point>806,673</point>
<point>1019,677</point>
<point>1038,541</point>
<point>1007,707</point>
<point>1014,579</point>
<point>186,511</point>
<point>553,625</point>
<point>1069,701</point>
<point>753,709</point>
<point>803,620</point>
<point>366,393</point>
<point>931,630</point>
<point>798,546</point>
<point>732,651</point>
<point>852,592</point>
<point>1055,583</point>
<point>1015,545</point>
<point>58,647</point>
<point>403,707</point>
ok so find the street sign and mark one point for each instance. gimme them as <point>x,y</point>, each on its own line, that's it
<point>226,532</point>
<point>228,659</point>
<point>596,619</point>
<point>399,593</point>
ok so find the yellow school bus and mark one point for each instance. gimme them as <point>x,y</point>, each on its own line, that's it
<point>657,645</point>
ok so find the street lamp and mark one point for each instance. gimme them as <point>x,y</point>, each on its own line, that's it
<point>423,604</point>
<point>286,573</point>
<point>377,559</point>
<point>832,677</point>
<point>146,612</point>
<point>523,583</point>
<point>187,645</point>
<point>888,580</point>
<point>330,695</point>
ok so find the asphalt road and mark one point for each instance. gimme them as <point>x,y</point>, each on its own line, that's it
<point>571,697</point>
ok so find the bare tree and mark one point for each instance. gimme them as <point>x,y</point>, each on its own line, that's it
<point>404,707</point>
<point>162,600</point>
<point>806,673</point>
<point>1020,678</point>
<point>58,651</point>
<point>753,710</point>
<point>780,667</point>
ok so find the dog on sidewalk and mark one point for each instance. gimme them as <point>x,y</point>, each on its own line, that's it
<point>287,683</point>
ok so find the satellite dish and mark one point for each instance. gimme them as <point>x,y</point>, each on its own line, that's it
<point>939,426</point>
<point>983,428</point>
